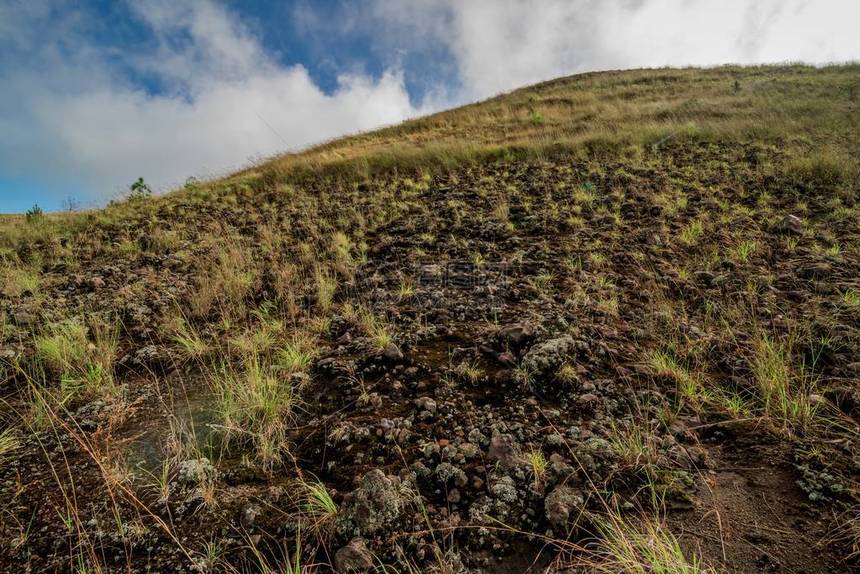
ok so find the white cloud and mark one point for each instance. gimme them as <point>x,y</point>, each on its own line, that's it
<point>224,102</point>
<point>501,44</point>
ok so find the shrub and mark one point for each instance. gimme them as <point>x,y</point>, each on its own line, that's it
<point>34,214</point>
<point>821,170</point>
<point>139,190</point>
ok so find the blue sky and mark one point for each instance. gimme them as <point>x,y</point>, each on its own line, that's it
<point>99,92</point>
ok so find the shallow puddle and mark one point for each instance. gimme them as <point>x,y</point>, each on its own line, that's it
<point>189,426</point>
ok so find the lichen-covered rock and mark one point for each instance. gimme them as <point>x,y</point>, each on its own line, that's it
<point>376,506</point>
<point>543,360</point>
<point>354,557</point>
<point>505,489</point>
<point>564,504</point>
<point>447,472</point>
<point>194,472</point>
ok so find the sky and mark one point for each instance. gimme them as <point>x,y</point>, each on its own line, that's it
<point>96,93</point>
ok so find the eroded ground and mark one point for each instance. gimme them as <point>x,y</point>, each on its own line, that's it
<point>505,366</point>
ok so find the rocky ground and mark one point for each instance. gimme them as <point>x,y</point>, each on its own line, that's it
<point>545,364</point>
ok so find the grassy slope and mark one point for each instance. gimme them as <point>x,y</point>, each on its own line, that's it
<point>637,212</point>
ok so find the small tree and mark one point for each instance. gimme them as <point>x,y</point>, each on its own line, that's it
<point>140,190</point>
<point>34,214</point>
<point>71,204</point>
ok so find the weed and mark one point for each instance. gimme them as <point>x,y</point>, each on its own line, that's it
<point>643,548</point>
<point>537,465</point>
<point>745,249</point>
<point>85,367</point>
<point>9,442</point>
<point>784,388</point>
<point>851,297</point>
<point>690,235</point>
<point>256,405</point>
<point>18,281</point>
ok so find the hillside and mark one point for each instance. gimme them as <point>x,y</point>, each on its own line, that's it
<point>608,323</point>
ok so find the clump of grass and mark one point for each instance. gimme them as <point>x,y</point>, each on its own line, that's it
<point>471,371</point>
<point>405,290</point>
<point>256,405</point>
<point>342,247</point>
<point>537,464</point>
<point>502,211</point>
<point>633,445</point>
<point>641,547</point>
<point>18,281</point>
<point>228,280</point>
<point>326,287</point>
<point>189,342</point>
<point>834,250</point>
<point>376,328</point>
<point>567,374</point>
<point>745,249</point>
<point>82,357</point>
<point>294,358</point>
<point>820,170</point>
<point>691,234</point>
<point>664,364</point>
<point>851,297</point>
<point>9,442</point>
<point>784,389</point>
<point>318,504</point>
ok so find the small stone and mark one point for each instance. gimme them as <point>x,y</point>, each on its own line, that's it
<point>589,400</point>
<point>544,359</point>
<point>791,225</point>
<point>374,507</point>
<point>507,359</point>
<point>453,496</point>
<point>248,515</point>
<point>392,353</point>
<point>354,557</point>
<point>426,404</point>
<point>516,334</point>
<point>505,450</point>
<point>345,339</point>
<point>705,278</point>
